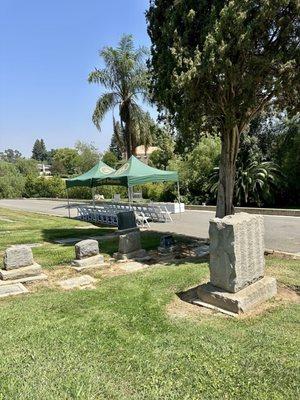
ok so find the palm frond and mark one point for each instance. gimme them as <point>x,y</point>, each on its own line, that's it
<point>102,77</point>
<point>105,102</point>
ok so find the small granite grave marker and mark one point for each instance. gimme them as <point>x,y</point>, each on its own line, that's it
<point>82,281</point>
<point>87,255</point>
<point>86,248</point>
<point>17,256</point>
<point>19,266</point>
<point>12,289</point>
<point>130,246</point>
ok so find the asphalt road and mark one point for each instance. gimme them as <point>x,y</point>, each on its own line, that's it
<point>281,232</point>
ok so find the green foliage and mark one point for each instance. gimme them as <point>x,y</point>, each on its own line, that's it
<point>65,162</point>
<point>287,154</point>
<point>196,168</point>
<point>88,156</point>
<point>217,65</point>
<point>159,191</point>
<point>39,151</point>
<point>79,192</point>
<point>256,180</point>
<point>116,143</point>
<point>277,138</point>
<point>126,79</point>
<point>110,159</point>
<point>109,191</point>
<point>86,193</point>
<point>224,60</point>
<point>27,167</point>
<point>10,155</point>
<point>164,141</point>
<point>44,187</point>
<point>11,181</point>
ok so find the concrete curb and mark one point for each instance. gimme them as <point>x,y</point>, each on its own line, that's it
<point>283,254</point>
<point>250,210</point>
<point>196,207</point>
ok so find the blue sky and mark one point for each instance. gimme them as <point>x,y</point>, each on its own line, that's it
<point>47,49</point>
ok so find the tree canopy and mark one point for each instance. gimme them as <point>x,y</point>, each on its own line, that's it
<point>10,155</point>
<point>218,64</point>
<point>39,151</point>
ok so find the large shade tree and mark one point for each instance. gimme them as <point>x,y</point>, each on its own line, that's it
<point>220,63</point>
<point>125,79</point>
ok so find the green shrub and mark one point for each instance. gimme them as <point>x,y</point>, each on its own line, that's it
<point>27,167</point>
<point>81,192</point>
<point>109,191</point>
<point>44,187</point>
<point>11,181</point>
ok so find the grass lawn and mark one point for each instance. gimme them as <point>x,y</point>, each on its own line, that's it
<point>132,338</point>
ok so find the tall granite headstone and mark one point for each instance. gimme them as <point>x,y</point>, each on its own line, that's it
<point>237,281</point>
<point>236,251</point>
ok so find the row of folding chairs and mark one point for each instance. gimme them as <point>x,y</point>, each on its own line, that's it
<point>152,212</point>
<point>95,214</point>
<point>107,213</point>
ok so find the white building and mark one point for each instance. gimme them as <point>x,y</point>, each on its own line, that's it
<point>143,153</point>
<point>44,169</point>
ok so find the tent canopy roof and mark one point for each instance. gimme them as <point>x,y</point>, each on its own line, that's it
<point>135,172</point>
<point>99,171</point>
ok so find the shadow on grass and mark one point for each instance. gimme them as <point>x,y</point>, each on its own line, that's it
<point>50,235</point>
<point>150,240</point>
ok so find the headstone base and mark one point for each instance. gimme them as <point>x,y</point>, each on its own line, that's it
<point>23,272</point>
<point>242,301</point>
<point>90,262</point>
<point>28,279</point>
<point>138,254</point>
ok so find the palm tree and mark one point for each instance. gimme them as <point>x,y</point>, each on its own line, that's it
<point>126,79</point>
<point>254,181</point>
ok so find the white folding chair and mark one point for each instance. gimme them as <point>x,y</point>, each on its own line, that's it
<point>141,219</point>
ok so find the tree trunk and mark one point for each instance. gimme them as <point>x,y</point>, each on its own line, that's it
<point>128,140</point>
<point>125,118</point>
<point>230,146</point>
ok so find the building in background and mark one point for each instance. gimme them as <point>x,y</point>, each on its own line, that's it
<point>143,153</point>
<point>44,169</point>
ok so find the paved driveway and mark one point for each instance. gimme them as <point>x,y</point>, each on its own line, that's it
<point>281,232</point>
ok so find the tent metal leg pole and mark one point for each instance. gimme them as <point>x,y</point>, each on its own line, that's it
<point>68,203</point>
<point>94,207</point>
<point>93,196</point>
<point>130,190</point>
<point>178,194</point>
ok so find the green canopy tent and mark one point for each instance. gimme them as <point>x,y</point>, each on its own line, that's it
<point>98,172</point>
<point>135,172</point>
